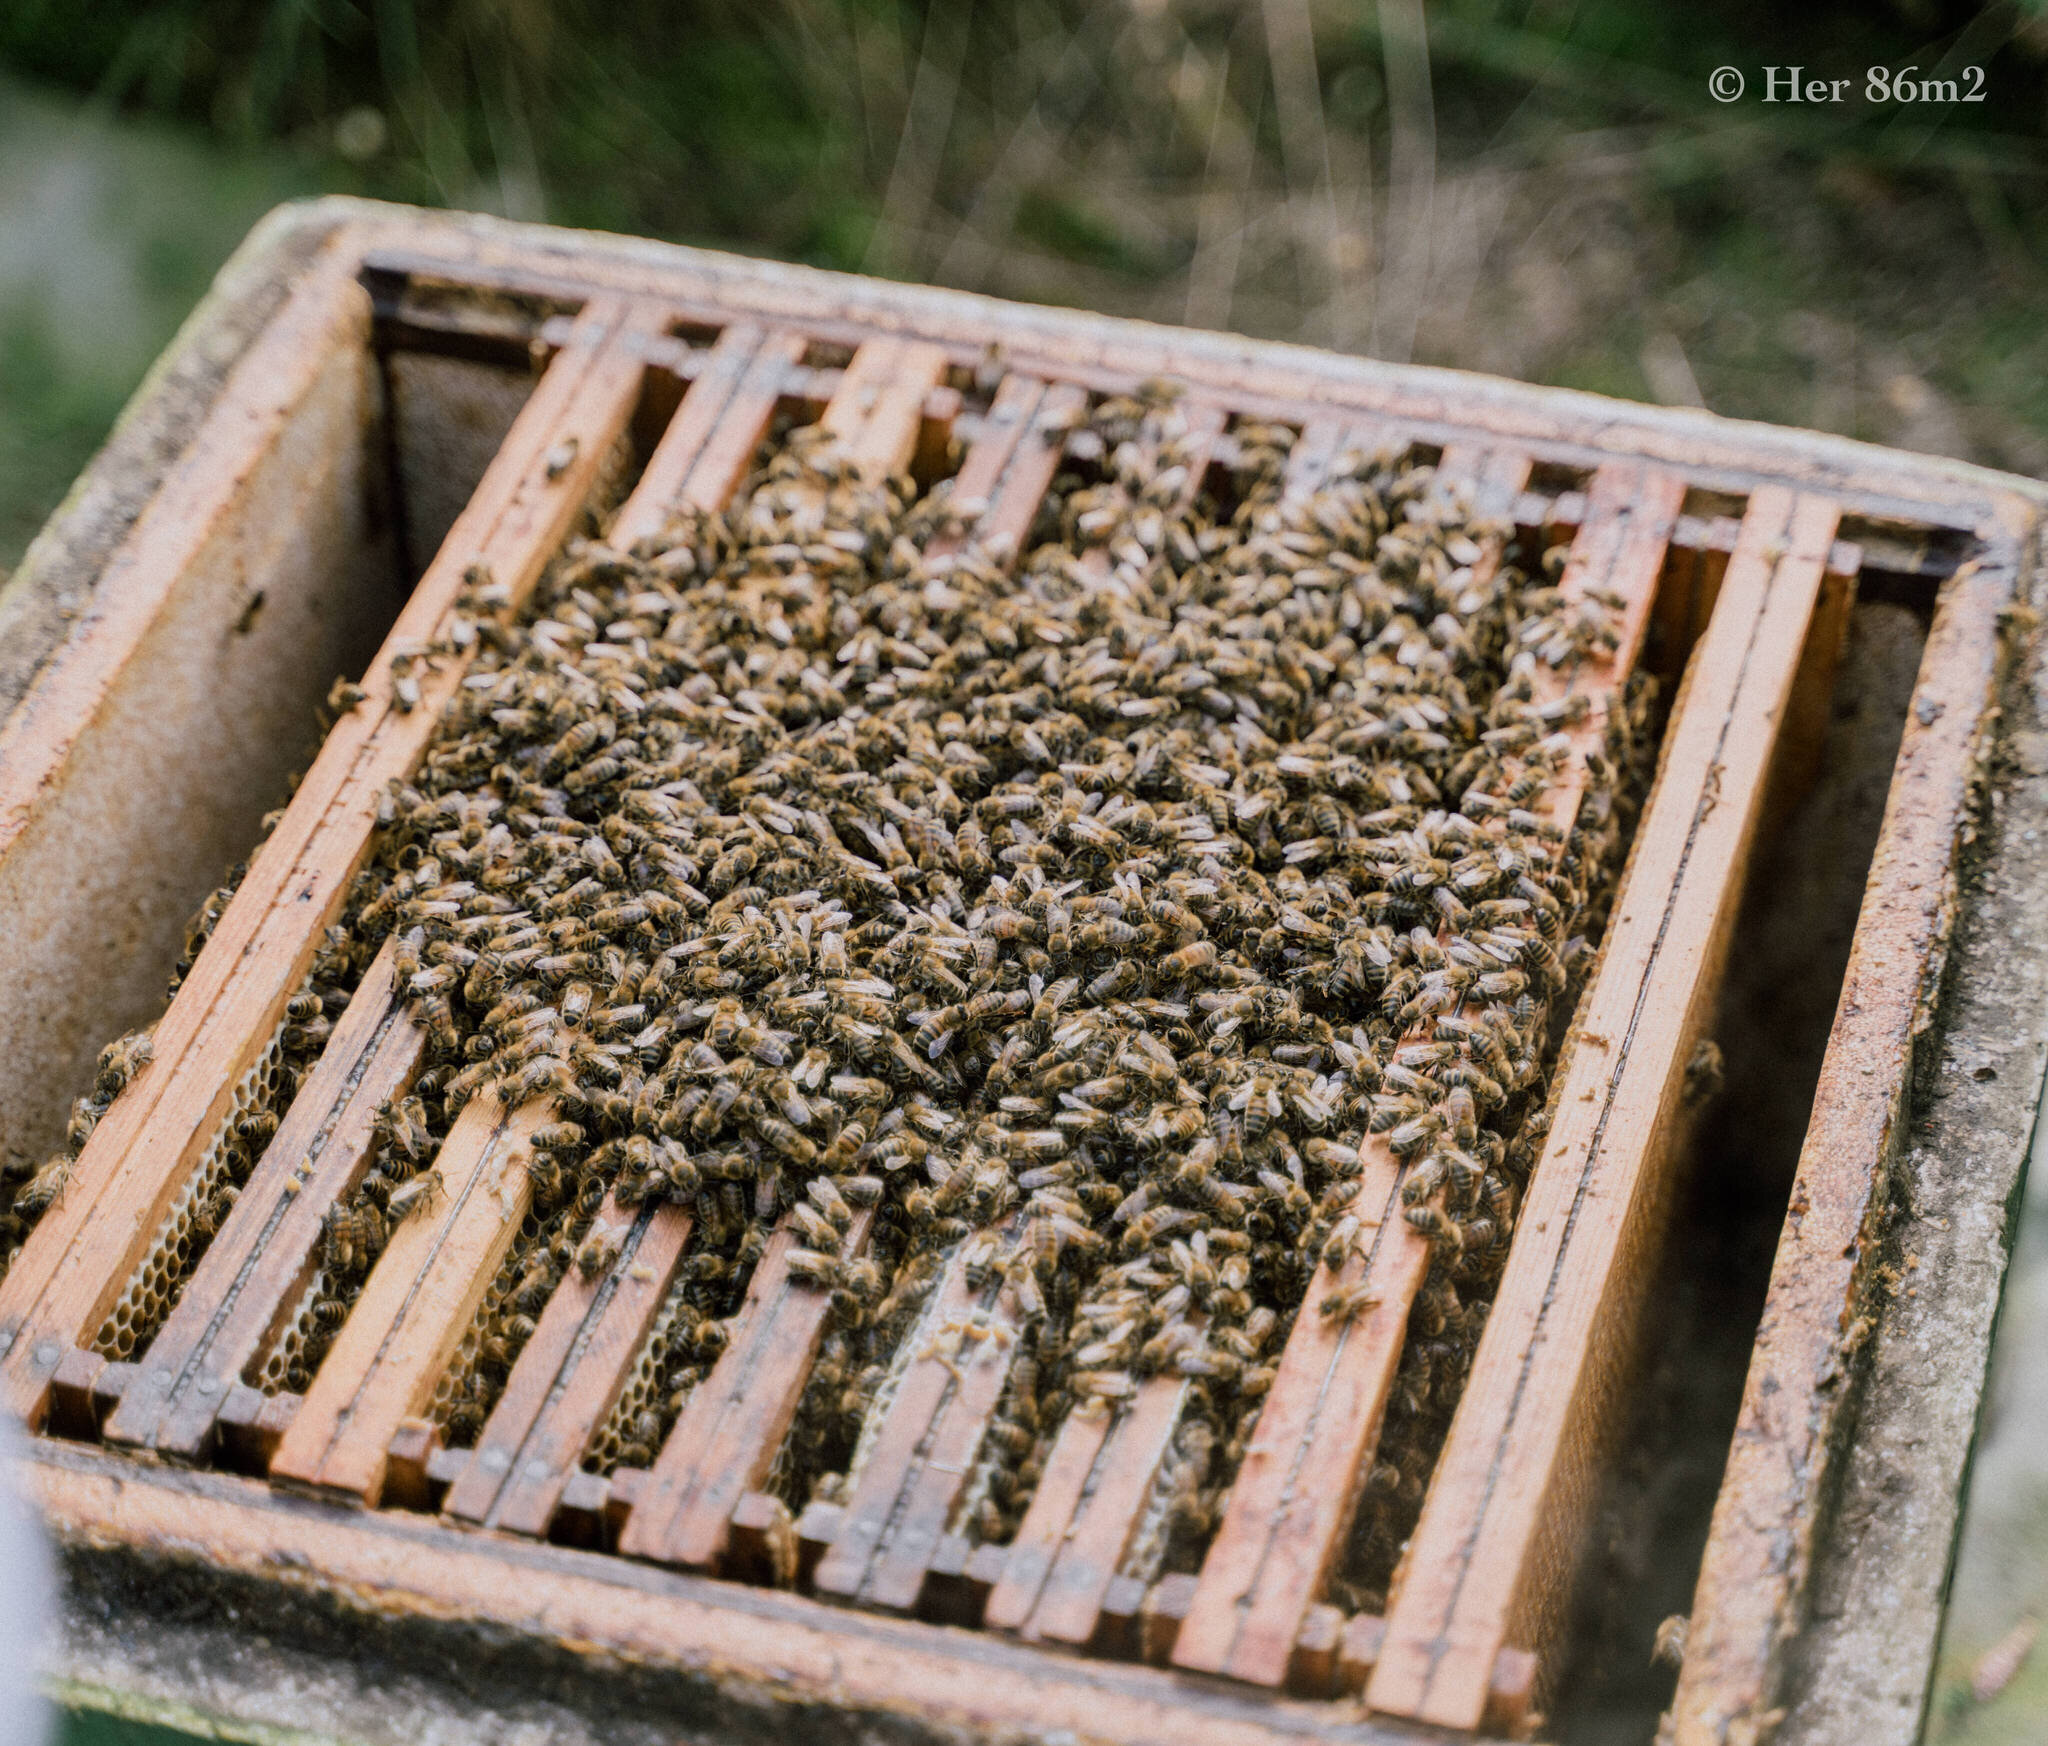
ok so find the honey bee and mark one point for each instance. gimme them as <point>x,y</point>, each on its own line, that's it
<point>598,1251</point>
<point>1195,959</point>
<point>1703,1072</point>
<point>120,1061</point>
<point>812,1227</point>
<point>212,1213</point>
<point>1173,1128</point>
<point>1118,979</point>
<point>1436,1224</point>
<point>558,1137</point>
<point>534,1286</point>
<point>1338,1245</point>
<point>1478,1236</point>
<point>415,1195</point>
<point>831,1202</point>
<point>343,695</point>
<point>579,741</point>
<point>45,1188</point>
<point>353,1232</point>
<point>256,1128</point>
<point>815,1267</point>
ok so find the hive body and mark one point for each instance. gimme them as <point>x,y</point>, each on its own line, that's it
<point>936,968</point>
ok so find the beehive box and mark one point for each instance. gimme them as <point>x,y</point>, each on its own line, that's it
<point>378,406</point>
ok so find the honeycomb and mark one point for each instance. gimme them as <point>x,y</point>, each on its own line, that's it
<point>470,1380</point>
<point>149,1295</point>
<point>287,1367</point>
<point>645,1384</point>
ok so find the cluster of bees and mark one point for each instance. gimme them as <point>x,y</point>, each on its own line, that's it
<point>36,1187</point>
<point>1450,1312</point>
<point>1096,912</point>
<point>1097,915</point>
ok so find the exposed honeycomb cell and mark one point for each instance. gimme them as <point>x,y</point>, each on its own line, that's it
<point>643,1388</point>
<point>142,1307</point>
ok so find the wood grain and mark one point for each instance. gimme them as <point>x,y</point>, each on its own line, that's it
<point>711,441</point>
<point>419,1301</point>
<point>1088,1453</point>
<point>942,1408</point>
<point>1802,738</point>
<point>723,414</point>
<point>725,1438</point>
<point>569,1375</point>
<point>1048,1520</point>
<point>1010,418</point>
<point>927,1383</point>
<point>258,1267</point>
<point>1294,1496</point>
<point>1493,1551</point>
<point>1107,1516</point>
<point>80,1257</point>
<point>1261,380</point>
<point>1788,1437</point>
<point>193,503</point>
<point>1323,438</point>
<point>1292,1503</point>
<point>747,1652</point>
<point>1009,467</point>
<point>698,463</point>
<point>734,1422</point>
<point>904,1494</point>
<point>897,1579</point>
<point>879,405</point>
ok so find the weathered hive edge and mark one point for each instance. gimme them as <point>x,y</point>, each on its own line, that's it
<point>1860,1667</point>
<point>1787,1576</point>
<point>50,589</point>
<point>1129,349</point>
<point>487,1621</point>
<point>51,585</point>
<point>1564,424</point>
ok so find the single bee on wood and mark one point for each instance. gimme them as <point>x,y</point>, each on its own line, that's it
<point>46,1187</point>
<point>415,1195</point>
<point>120,1061</point>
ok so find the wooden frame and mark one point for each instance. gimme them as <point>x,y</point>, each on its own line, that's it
<point>615,319</point>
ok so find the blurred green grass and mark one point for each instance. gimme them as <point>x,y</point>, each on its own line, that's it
<point>97,1728</point>
<point>1537,188</point>
<point>109,233</point>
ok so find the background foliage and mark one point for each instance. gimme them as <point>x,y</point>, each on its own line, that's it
<point>1541,188</point>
